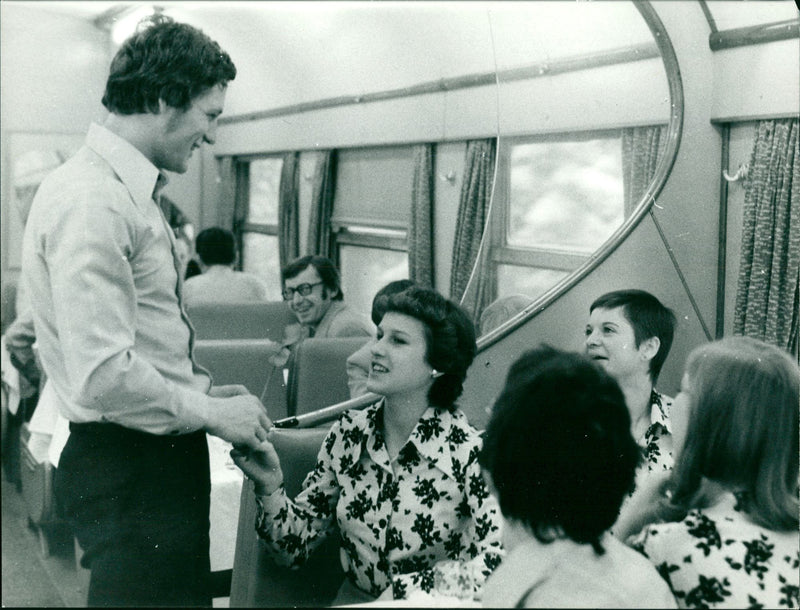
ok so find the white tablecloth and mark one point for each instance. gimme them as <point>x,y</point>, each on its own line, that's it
<point>226,489</point>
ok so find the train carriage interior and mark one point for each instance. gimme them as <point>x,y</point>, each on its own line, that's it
<point>535,153</point>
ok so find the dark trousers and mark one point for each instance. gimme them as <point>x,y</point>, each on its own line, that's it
<point>139,506</point>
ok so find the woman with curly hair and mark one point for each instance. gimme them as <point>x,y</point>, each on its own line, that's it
<point>399,482</point>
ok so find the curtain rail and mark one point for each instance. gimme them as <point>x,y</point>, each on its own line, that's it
<point>634,53</point>
<point>754,34</point>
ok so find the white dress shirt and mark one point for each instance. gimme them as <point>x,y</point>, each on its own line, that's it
<point>99,265</point>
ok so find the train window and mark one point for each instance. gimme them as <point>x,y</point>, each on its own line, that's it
<point>563,199</point>
<point>259,235</point>
<point>370,219</point>
<point>370,258</point>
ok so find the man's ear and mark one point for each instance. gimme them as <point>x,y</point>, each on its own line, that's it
<point>649,348</point>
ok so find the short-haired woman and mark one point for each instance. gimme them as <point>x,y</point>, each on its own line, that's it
<point>560,457</point>
<point>401,479</point>
<point>728,531</point>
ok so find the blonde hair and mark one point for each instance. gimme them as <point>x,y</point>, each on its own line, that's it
<point>743,431</point>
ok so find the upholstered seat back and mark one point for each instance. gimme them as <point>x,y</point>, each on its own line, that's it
<point>237,361</point>
<point>240,320</point>
<point>318,373</point>
<point>257,582</point>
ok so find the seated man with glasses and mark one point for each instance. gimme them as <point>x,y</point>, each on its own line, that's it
<point>312,289</point>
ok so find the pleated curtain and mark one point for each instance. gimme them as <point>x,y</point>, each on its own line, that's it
<point>320,240</point>
<point>288,209</point>
<point>420,231</point>
<point>474,291</point>
<point>241,204</point>
<point>767,292</point>
<point>641,150</point>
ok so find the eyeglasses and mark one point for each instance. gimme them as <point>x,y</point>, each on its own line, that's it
<point>303,290</point>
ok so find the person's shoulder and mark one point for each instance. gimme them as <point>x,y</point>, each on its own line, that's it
<point>255,282</point>
<point>347,322</point>
<point>638,576</point>
<point>351,427</point>
<point>464,439</point>
<point>194,284</point>
<point>80,183</point>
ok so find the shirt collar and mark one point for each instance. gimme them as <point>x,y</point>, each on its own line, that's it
<point>429,436</point>
<point>134,170</point>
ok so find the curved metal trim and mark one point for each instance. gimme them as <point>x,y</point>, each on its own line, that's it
<point>674,132</point>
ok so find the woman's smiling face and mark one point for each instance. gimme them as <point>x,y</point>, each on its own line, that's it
<point>399,362</point>
<point>611,342</point>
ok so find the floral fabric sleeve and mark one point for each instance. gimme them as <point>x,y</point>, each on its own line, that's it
<point>294,528</point>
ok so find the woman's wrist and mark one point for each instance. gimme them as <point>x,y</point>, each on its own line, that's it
<point>259,489</point>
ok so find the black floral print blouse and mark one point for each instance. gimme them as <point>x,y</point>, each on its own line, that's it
<point>717,558</point>
<point>657,439</point>
<point>395,524</point>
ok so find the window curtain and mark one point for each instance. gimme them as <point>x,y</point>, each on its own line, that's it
<point>767,293</point>
<point>288,209</point>
<point>319,230</point>
<point>641,150</point>
<point>420,233</point>
<point>474,290</point>
<point>239,194</point>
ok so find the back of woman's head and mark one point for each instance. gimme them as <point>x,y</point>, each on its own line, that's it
<point>558,447</point>
<point>742,429</point>
<point>450,338</point>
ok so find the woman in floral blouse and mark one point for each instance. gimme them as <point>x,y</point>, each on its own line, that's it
<point>730,537</point>
<point>400,481</point>
<point>629,334</point>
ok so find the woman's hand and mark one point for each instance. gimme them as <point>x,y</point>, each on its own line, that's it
<point>642,508</point>
<point>261,465</point>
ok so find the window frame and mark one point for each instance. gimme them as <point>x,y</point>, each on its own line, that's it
<point>242,165</point>
<point>500,252</point>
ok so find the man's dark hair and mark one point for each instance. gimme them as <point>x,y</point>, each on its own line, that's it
<point>327,271</point>
<point>164,60</point>
<point>216,246</point>
<point>558,447</point>
<point>649,318</point>
<point>449,337</point>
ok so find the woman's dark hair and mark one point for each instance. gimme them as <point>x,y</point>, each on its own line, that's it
<point>164,60</point>
<point>558,447</point>
<point>449,335</point>
<point>379,301</point>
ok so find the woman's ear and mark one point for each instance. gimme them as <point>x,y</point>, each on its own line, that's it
<point>649,348</point>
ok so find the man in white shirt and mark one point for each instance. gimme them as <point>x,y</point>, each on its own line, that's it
<point>100,266</point>
<point>219,282</point>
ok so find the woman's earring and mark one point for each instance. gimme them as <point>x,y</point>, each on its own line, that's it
<point>435,373</point>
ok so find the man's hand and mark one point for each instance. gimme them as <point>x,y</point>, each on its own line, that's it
<point>239,418</point>
<point>27,368</point>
